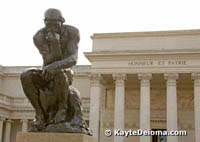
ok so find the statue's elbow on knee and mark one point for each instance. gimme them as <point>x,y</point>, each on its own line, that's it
<point>26,76</point>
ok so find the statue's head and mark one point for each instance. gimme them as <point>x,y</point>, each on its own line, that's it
<point>53,20</point>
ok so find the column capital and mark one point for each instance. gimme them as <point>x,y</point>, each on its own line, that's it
<point>171,78</point>
<point>2,119</point>
<point>196,75</point>
<point>24,120</point>
<point>9,121</point>
<point>196,78</point>
<point>144,76</point>
<point>119,78</point>
<point>95,79</point>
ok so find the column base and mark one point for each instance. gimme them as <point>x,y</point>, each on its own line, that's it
<point>53,137</point>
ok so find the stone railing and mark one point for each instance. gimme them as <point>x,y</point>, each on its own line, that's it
<point>23,104</point>
<point>12,103</point>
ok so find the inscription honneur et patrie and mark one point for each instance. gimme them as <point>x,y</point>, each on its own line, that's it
<point>158,63</point>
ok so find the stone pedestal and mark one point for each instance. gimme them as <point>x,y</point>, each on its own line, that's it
<point>53,137</point>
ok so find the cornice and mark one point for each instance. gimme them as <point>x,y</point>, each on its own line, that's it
<point>145,34</point>
<point>147,54</point>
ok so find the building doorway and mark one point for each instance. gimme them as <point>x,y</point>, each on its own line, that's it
<point>158,138</point>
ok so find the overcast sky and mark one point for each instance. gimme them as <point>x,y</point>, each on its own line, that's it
<point>20,20</point>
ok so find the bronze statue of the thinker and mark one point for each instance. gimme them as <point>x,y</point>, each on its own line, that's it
<point>57,104</point>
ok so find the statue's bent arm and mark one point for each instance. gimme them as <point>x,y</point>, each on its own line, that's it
<point>71,54</point>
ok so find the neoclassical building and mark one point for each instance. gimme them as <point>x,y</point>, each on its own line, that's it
<point>136,80</point>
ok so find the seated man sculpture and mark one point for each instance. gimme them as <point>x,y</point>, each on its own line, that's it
<point>57,104</point>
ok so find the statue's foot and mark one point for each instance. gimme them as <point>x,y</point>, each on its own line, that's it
<point>60,116</point>
<point>66,128</point>
<point>50,118</point>
<point>38,124</point>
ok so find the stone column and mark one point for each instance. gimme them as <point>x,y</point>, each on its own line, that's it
<point>172,124</point>
<point>1,74</point>
<point>196,78</point>
<point>7,131</point>
<point>95,93</point>
<point>145,104</point>
<point>24,125</point>
<point>1,129</point>
<point>0,82</point>
<point>119,104</point>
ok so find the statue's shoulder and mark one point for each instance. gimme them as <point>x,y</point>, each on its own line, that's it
<point>72,31</point>
<point>39,34</point>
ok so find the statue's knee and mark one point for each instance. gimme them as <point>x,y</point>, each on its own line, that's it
<point>60,77</point>
<point>64,76</point>
<point>26,75</point>
<point>70,76</point>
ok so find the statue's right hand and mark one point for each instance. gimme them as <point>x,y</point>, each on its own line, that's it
<point>52,36</point>
<point>47,75</point>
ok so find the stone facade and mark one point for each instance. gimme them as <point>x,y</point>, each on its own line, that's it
<point>157,90</point>
<point>146,80</point>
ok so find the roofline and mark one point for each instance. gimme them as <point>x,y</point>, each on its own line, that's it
<point>147,33</point>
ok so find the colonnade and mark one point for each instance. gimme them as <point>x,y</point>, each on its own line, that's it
<point>171,94</point>
<point>7,133</point>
